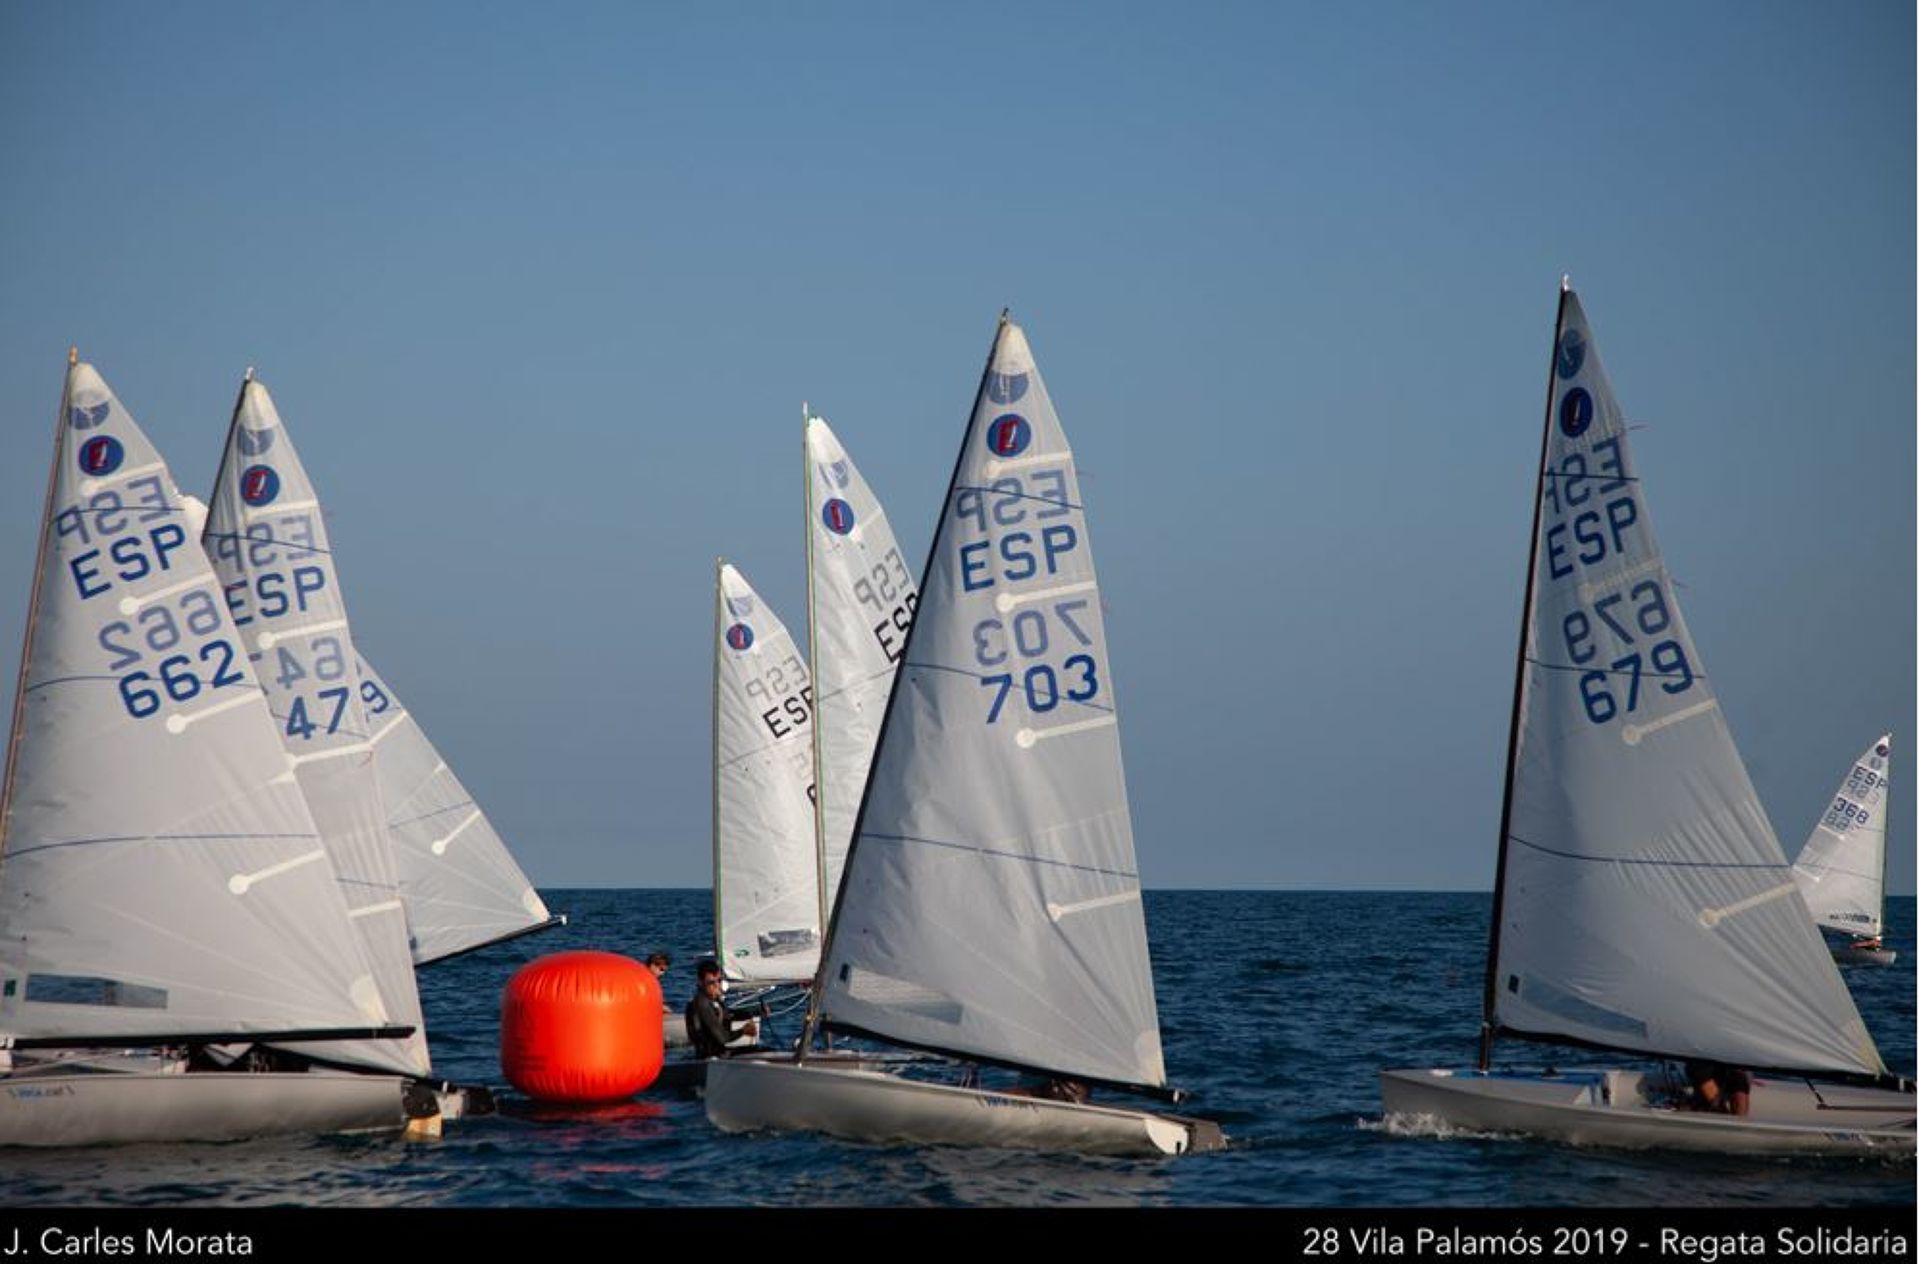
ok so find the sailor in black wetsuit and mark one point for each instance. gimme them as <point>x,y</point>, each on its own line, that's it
<point>709,1024</point>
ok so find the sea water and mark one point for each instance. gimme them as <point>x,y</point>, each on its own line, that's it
<point>1277,1011</point>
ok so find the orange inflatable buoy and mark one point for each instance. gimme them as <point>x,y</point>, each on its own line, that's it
<point>581,1027</point>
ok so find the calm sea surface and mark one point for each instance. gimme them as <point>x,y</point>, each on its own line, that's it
<point>1277,1010</point>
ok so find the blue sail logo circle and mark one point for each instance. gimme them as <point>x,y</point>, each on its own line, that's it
<point>837,515</point>
<point>1005,388</point>
<point>1008,435</point>
<point>259,485</point>
<point>101,455</point>
<point>740,637</point>
<point>1572,353</point>
<point>1575,412</point>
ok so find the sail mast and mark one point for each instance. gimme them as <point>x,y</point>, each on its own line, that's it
<point>1488,1031</point>
<point>893,695</point>
<point>719,630</point>
<point>813,675</point>
<point>33,602</point>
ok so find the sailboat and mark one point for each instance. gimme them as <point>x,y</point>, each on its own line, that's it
<point>163,887</point>
<point>267,539</point>
<point>1841,871</point>
<point>990,906</point>
<point>462,888</point>
<point>1642,904</point>
<point>766,904</point>
<point>860,602</point>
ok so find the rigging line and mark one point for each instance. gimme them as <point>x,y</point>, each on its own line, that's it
<point>289,545</point>
<point>66,680</point>
<point>1004,855</point>
<point>17,852</point>
<point>961,671</point>
<point>1012,495</point>
<point>1614,671</point>
<point>1610,478</point>
<point>1638,860</point>
<point>427,816</point>
<point>1829,871</point>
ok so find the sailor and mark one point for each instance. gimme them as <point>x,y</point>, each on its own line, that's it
<point>710,1024</point>
<point>1721,1089</point>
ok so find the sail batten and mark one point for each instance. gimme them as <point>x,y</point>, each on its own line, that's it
<point>1643,900</point>
<point>989,907</point>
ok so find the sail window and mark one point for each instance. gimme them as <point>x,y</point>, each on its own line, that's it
<point>78,989</point>
<point>1574,1009</point>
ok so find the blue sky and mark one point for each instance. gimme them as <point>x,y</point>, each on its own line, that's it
<point>539,291</point>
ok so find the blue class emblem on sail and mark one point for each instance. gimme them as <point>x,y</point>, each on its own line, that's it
<point>1572,353</point>
<point>740,637</point>
<point>88,413</point>
<point>1575,412</point>
<point>1005,388</point>
<point>837,515</point>
<point>101,455</point>
<point>1008,435</point>
<point>255,442</point>
<point>259,485</point>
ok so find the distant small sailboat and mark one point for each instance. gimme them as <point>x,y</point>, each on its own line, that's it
<point>164,883</point>
<point>990,906</point>
<point>1842,868</point>
<point>1642,902</point>
<point>268,542</point>
<point>462,888</point>
<point>765,869</point>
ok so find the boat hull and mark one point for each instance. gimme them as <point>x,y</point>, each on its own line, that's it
<point>856,1105</point>
<point>1852,956</point>
<point>111,1108</point>
<point>1633,1110</point>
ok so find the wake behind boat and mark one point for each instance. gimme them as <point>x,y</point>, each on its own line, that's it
<point>164,885</point>
<point>1642,902</point>
<point>989,908</point>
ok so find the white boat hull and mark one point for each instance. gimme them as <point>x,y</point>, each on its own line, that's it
<point>1632,1110</point>
<point>113,1108</point>
<point>855,1105</point>
<point>1852,956</point>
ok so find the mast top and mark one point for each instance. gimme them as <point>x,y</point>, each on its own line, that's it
<point>73,356</point>
<point>1565,283</point>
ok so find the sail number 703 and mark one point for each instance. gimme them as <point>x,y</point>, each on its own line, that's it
<point>1030,634</point>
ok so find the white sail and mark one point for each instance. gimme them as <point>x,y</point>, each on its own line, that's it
<point>1842,868</point>
<point>161,874</point>
<point>268,541</point>
<point>863,599</point>
<point>461,885</point>
<point>991,904</point>
<point>765,866</point>
<point>1646,902</point>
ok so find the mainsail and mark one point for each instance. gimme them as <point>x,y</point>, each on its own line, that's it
<point>863,599</point>
<point>991,905</point>
<point>461,886</point>
<point>765,867</point>
<point>1842,868</point>
<point>267,540</point>
<point>1644,902</point>
<point>162,874</point>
